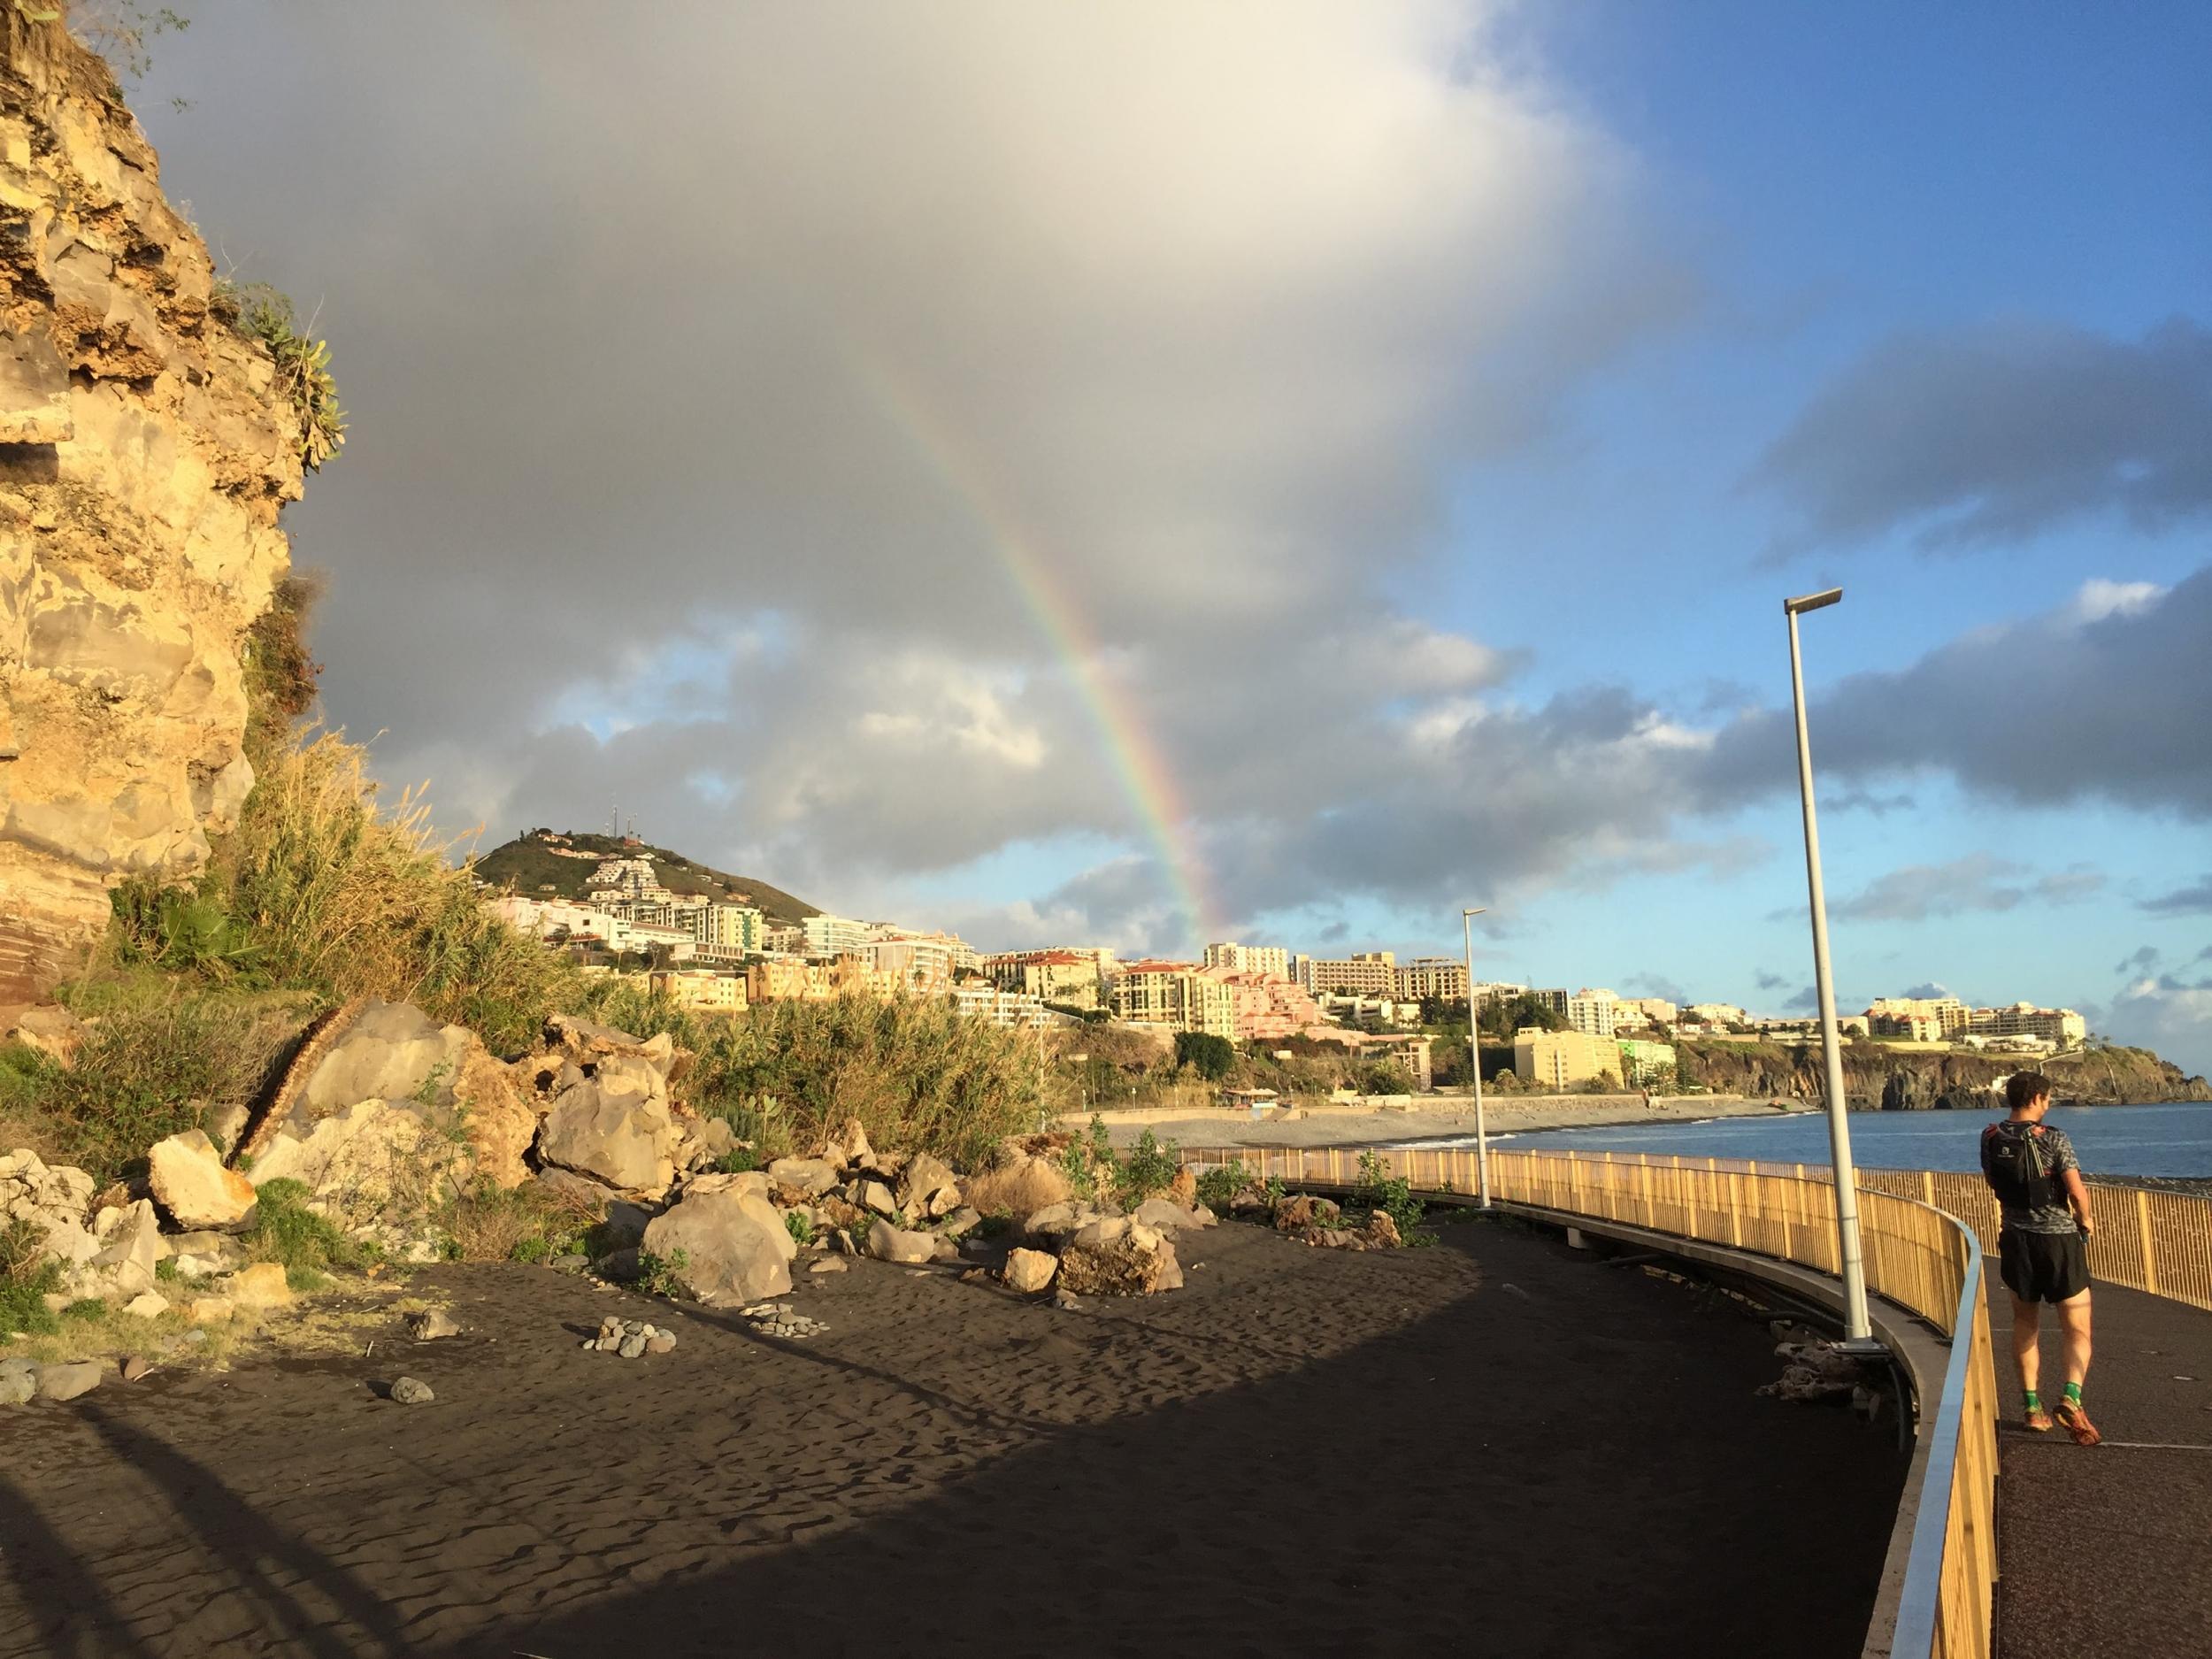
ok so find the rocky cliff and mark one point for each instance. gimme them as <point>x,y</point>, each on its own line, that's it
<point>145,451</point>
<point>1878,1077</point>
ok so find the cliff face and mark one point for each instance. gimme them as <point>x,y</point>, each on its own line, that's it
<point>1874,1076</point>
<point>145,450</point>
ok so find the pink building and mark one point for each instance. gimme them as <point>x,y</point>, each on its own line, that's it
<point>1266,1007</point>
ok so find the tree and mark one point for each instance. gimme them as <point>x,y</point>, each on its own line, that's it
<point>1209,1056</point>
<point>1504,1016</point>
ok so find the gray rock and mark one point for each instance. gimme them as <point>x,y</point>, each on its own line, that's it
<point>393,1051</point>
<point>569,1264</point>
<point>1097,1234</point>
<point>927,1186</point>
<point>827,1264</point>
<point>613,1126</point>
<point>661,1342</point>
<point>961,1222</point>
<point>810,1176</point>
<point>1065,1298</point>
<point>734,1246</point>
<point>1030,1270</point>
<point>136,1367</point>
<point>875,1195</point>
<point>428,1327</point>
<point>19,1381</point>
<point>190,1183</point>
<point>631,1345</point>
<point>409,1392</point>
<point>887,1243</point>
<point>1167,1216</point>
<point>69,1378</point>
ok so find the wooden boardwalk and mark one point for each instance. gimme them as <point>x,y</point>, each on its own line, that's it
<point>2103,1551</point>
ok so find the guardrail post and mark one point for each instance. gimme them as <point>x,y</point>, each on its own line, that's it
<point>2143,1226</point>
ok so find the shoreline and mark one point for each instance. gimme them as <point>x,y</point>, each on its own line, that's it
<point>1332,1125</point>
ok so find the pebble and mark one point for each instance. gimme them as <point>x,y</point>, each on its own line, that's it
<point>630,1338</point>
<point>631,1345</point>
<point>135,1367</point>
<point>828,1264</point>
<point>409,1392</point>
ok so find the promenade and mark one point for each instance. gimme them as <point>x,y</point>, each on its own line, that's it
<point>2103,1551</point>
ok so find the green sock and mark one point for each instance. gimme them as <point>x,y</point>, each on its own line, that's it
<point>2034,1399</point>
<point>2073,1394</point>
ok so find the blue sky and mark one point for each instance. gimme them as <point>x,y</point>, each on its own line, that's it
<point>1423,407</point>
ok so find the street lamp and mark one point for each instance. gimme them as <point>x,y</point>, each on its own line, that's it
<point>1474,1056</point>
<point>1857,1332</point>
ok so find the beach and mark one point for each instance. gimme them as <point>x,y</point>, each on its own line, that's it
<point>1437,1117</point>
<point>1494,1442</point>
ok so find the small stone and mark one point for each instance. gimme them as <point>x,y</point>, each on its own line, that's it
<point>428,1327</point>
<point>608,1344</point>
<point>590,1345</point>
<point>147,1305</point>
<point>660,1343</point>
<point>19,1381</point>
<point>828,1264</point>
<point>409,1392</point>
<point>569,1264</point>
<point>135,1367</point>
<point>209,1310</point>
<point>1030,1270</point>
<point>1062,1299</point>
<point>633,1345</point>
<point>197,1338</point>
<point>260,1285</point>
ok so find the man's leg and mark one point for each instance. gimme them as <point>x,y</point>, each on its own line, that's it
<point>2026,1336</point>
<point>2073,1315</point>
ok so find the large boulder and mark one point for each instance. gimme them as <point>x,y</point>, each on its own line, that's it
<point>259,1287</point>
<point>1170,1216</point>
<point>49,1029</point>
<point>724,1247</point>
<point>613,1124</point>
<point>1030,1270</point>
<point>52,1199</point>
<point>1124,1268</point>
<point>808,1177</point>
<point>927,1186</point>
<point>586,1043</point>
<point>193,1187</point>
<point>887,1243</point>
<point>376,1161</point>
<point>130,1249</point>
<point>394,1052</point>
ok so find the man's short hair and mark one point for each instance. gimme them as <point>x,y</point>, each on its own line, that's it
<point>2024,1089</point>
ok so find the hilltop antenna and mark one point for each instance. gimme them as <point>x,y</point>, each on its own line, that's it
<point>614,819</point>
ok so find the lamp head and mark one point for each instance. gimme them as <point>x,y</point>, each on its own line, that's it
<point>1812,601</point>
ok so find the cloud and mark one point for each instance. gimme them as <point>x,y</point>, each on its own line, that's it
<point>1806,1001</point>
<point>2195,899</point>
<point>1767,981</point>
<point>1655,985</point>
<point>2141,962</point>
<point>2167,1014</point>
<point>1975,882</point>
<point>808,425</point>
<point>1926,991</point>
<point>1982,435</point>
<point>2087,703</point>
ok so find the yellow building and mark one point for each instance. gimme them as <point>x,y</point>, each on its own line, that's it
<point>1560,1059</point>
<point>1176,995</point>
<point>701,988</point>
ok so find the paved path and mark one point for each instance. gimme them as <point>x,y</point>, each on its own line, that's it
<point>2107,1551</point>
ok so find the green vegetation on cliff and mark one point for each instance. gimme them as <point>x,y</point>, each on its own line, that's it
<point>1902,1079</point>
<point>542,870</point>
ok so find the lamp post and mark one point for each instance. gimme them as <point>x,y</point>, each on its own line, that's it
<point>1857,1332</point>
<point>1474,1056</point>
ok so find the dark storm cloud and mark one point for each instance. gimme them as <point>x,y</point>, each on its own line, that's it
<point>2102,700</point>
<point>1985,435</point>
<point>2194,900</point>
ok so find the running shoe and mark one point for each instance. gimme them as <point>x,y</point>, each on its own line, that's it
<point>2076,1422</point>
<point>2037,1421</point>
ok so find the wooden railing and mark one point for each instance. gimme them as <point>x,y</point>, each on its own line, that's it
<point>1917,1256</point>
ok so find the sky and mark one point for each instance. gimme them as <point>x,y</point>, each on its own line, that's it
<point>1145,474</point>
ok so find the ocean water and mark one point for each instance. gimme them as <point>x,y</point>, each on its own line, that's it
<point>2174,1138</point>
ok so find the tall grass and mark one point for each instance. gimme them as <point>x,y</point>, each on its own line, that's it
<point>317,888</point>
<point>918,1075</point>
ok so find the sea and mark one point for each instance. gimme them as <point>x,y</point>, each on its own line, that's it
<point>2170,1140</point>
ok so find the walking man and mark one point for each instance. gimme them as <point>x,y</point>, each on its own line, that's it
<point>2042,1248</point>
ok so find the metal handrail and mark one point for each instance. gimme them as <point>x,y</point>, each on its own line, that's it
<point>1920,1599</point>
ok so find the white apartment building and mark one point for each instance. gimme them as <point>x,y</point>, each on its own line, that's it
<point>1717,1014</point>
<point>972,1001</point>
<point>728,931</point>
<point>1367,973</point>
<point>1592,1012</point>
<point>1177,995</point>
<point>2060,1025</point>
<point>1273,960</point>
<point>825,935</point>
<point>1949,1014</point>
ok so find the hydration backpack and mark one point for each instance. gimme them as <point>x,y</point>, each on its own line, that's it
<point>2018,1167</point>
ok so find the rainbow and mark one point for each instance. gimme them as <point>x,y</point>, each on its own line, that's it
<point>1145,776</point>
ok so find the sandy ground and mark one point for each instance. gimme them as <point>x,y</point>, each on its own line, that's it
<point>1494,1445</point>
<point>1337,1127</point>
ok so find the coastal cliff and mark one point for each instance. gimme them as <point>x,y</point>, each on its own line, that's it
<point>146,448</point>
<point>1877,1076</point>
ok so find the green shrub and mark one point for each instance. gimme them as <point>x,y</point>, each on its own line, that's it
<point>662,1275</point>
<point>1210,1058</point>
<point>799,1225</point>
<point>1218,1187</point>
<point>1148,1171</point>
<point>261,313</point>
<point>285,1231</point>
<point>738,1161</point>
<point>27,1277</point>
<point>86,1308</point>
<point>1380,1191</point>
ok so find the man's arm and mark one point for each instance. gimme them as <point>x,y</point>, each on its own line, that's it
<point>2078,1196</point>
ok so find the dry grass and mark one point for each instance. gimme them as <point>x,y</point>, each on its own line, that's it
<point>1019,1190</point>
<point>531,1222</point>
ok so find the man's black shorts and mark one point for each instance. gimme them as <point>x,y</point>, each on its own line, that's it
<point>2043,1266</point>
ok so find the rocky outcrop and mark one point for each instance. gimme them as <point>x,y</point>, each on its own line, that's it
<point>1875,1076</point>
<point>145,450</point>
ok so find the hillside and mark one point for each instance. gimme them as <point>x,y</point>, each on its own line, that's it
<point>539,869</point>
<point>1876,1076</point>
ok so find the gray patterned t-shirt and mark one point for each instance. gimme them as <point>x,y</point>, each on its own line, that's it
<point>2058,1157</point>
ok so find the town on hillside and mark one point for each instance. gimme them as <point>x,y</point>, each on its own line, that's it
<point>716,955</point>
